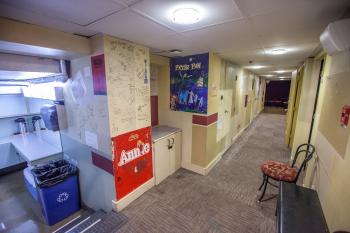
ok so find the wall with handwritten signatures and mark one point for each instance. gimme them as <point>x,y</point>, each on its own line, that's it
<point>128,85</point>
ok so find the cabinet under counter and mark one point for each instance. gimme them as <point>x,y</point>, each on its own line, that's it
<point>167,143</point>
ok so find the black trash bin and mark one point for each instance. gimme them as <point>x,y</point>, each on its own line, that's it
<point>58,189</point>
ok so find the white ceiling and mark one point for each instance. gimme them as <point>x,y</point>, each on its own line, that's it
<point>239,30</point>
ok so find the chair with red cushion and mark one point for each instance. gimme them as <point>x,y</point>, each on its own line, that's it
<point>279,171</point>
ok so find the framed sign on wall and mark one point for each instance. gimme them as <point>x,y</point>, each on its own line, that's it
<point>132,160</point>
<point>189,83</point>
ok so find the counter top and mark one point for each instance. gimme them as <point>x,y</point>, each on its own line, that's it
<point>33,146</point>
<point>161,131</point>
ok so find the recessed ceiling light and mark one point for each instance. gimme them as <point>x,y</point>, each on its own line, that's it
<point>277,51</point>
<point>175,51</point>
<point>255,67</point>
<point>186,15</point>
<point>281,71</point>
<point>268,75</point>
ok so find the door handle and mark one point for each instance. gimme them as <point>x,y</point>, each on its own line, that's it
<point>171,143</point>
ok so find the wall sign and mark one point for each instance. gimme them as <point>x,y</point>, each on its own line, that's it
<point>132,160</point>
<point>99,74</point>
<point>345,115</point>
<point>189,83</point>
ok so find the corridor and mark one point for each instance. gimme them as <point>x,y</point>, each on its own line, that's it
<point>167,116</point>
<point>223,201</point>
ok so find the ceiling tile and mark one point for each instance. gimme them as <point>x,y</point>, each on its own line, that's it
<point>237,35</point>
<point>129,25</point>
<point>214,12</point>
<point>256,7</point>
<point>296,25</point>
<point>243,57</point>
<point>128,2</point>
<point>43,20</point>
<point>80,12</point>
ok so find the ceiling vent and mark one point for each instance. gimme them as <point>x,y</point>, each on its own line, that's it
<point>336,37</point>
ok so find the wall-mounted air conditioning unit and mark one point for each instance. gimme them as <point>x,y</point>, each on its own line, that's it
<point>336,37</point>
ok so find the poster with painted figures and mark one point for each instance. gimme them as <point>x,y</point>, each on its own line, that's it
<point>189,83</point>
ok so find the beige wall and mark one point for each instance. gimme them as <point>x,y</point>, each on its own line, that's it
<point>329,171</point>
<point>32,39</point>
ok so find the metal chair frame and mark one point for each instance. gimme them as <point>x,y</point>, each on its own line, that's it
<point>309,151</point>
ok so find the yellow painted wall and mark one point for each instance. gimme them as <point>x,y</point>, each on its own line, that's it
<point>291,101</point>
<point>306,103</point>
<point>182,120</point>
<point>200,146</point>
<point>329,171</point>
<point>241,116</point>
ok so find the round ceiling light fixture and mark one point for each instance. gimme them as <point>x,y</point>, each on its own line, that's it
<point>278,51</point>
<point>186,15</point>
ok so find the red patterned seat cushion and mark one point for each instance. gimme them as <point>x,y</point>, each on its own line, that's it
<point>279,171</point>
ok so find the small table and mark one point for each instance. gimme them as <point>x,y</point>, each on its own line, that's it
<point>299,210</point>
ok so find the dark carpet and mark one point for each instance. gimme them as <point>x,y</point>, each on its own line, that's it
<point>223,201</point>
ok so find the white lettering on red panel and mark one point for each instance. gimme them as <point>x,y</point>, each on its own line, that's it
<point>130,155</point>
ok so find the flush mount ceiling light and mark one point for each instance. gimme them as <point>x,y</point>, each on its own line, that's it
<point>186,15</point>
<point>277,51</point>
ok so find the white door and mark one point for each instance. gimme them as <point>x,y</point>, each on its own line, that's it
<point>175,152</point>
<point>161,159</point>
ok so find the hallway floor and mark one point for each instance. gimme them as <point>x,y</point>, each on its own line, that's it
<point>223,201</point>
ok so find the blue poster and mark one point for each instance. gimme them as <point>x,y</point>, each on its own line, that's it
<point>189,83</point>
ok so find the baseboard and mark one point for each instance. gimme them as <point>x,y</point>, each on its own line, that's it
<point>194,168</point>
<point>205,170</point>
<point>125,201</point>
<point>239,134</point>
<point>13,168</point>
<point>212,164</point>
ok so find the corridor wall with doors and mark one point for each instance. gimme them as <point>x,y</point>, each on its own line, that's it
<point>329,171</point>
<point>235,98</point>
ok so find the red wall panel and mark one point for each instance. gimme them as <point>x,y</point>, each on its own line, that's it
<point>154,110</point>
<point>132,160</point>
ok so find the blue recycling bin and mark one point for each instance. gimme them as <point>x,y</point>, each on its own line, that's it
<point>58,190</point>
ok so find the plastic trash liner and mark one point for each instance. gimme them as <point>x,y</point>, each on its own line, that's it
<point>57,183</point>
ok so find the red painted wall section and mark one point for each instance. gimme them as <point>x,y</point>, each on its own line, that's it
<point>154,110</point>
<point>132,160</point>
<point>102,162</point>
<point>204,120</point>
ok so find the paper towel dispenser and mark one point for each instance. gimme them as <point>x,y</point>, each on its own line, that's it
<point>49,115</point>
